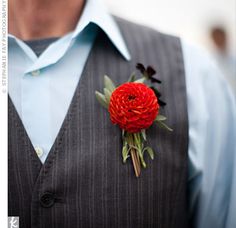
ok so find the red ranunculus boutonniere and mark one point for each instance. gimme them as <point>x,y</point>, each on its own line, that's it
<point>134,106</point>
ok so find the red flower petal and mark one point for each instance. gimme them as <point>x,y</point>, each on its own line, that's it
<point>133,106</point>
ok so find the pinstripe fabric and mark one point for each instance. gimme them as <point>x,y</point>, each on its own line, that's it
<point>84,171</point>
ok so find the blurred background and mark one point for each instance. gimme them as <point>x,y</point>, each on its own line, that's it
<point>208,23</point>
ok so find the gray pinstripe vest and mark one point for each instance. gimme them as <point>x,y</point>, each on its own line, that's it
<point>83,182</point>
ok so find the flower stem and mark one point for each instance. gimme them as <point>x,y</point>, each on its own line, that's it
<point>139,144</point>
<point>134,156</point>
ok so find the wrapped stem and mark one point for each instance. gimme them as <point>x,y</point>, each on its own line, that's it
<point>134,155</point>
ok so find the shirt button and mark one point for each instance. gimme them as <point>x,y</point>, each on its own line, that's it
<point>47,199</point>
<point>39,151</point>
<point>35,73</point>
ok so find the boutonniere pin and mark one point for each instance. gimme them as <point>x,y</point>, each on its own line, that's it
<point>134,107</point>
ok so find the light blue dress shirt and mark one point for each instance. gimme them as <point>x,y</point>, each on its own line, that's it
<point>41,89</point>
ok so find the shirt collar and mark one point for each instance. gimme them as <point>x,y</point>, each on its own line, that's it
<point>94,12</point>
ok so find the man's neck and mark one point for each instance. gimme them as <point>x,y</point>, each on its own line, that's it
<point>35,19</point>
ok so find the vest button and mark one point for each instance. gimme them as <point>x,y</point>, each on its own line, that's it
<point>47,199</point>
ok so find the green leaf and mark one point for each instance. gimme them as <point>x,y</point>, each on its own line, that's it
<point>132,77</point>
<point>140,154</point>
<point>125,152</point>
<point>107,94</point>
<point>141,80</point>
<point>150,151</point>
<point>101,99</point>
<point>143,132</point>
<point>163,125</point>
<point>109,84</point>
<point>123,133</point>
<point>160,118</point>
<point>137,139</point>
<point>143,162</point>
